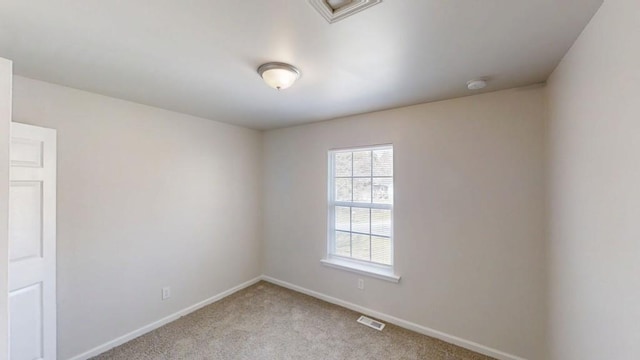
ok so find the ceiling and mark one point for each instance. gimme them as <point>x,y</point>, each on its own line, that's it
<point>200,57</point>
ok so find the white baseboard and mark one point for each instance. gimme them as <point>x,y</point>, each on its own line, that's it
<point>361,309</point>
<point>473,346</point>
<point>154,325</point>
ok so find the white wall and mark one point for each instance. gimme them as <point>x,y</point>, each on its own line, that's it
<point>146,198</point>
<point>469,215</point>
<point>6,74</point>
<point>149,198</point>
<point>594,104</point>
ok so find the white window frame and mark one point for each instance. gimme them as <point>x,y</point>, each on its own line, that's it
<point>368,268</point>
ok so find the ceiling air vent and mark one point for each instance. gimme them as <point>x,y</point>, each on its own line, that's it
<point>336,10</point>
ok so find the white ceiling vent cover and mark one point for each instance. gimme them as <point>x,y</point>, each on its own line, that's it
<point>336,10</point>
<point>371,323</point>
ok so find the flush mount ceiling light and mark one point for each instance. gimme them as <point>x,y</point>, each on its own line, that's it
<point>279,75</point>
<point>336,10</point>
<point>476,84</point>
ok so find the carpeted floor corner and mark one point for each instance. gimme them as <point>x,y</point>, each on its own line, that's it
<point>268,322</point>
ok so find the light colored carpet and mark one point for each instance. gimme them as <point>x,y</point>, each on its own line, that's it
<point>265,322</point>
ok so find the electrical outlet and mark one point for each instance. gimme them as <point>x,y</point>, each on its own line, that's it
<point>361,284</point>
<point>166,293</point>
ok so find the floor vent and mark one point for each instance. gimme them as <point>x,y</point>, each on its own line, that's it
<point>371,323</point>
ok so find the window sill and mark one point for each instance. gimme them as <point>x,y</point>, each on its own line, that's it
<point>363,269</point>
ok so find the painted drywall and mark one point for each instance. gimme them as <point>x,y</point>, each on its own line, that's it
<point>6,74</point>
<point>594,183</point>
<point>146,198</point>
<point>469,215</point>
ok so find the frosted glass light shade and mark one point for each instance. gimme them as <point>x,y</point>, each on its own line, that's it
<point>279,75</point>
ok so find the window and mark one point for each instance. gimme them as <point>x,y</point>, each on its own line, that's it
<point>361,210</point>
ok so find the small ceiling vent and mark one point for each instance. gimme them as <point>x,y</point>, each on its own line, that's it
<point>336,10</point>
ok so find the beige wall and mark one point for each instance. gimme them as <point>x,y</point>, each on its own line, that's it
<point>469,215</point>
<point>146,198</point>
<point>149,198</point>
<point>594,104</point>
<point>5,119</point>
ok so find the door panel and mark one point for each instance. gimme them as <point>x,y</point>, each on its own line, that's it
<point>25,306</point>
<point>26,152</point>
<point>25,210</point>
<point>32,243</point>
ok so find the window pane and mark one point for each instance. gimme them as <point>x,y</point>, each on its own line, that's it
<point>381,250</point>
<point>361,178</point>
<point>343,190</point>
<point>342,164</point>
<point>381,222</point>
<point>343,244</point>
<point>362,163</point>
<point>383,162</point>
<point>361,247</point>
<point>382,190</point>
<point>343,218</point>
<point>362,190</point>
<point>360,220</point>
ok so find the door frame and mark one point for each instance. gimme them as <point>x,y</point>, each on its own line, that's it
<point>6,78</point>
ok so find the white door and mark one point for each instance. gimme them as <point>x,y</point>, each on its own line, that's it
<point>32,243</point>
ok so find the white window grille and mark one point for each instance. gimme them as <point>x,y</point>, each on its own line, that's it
<point>361,205</point>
